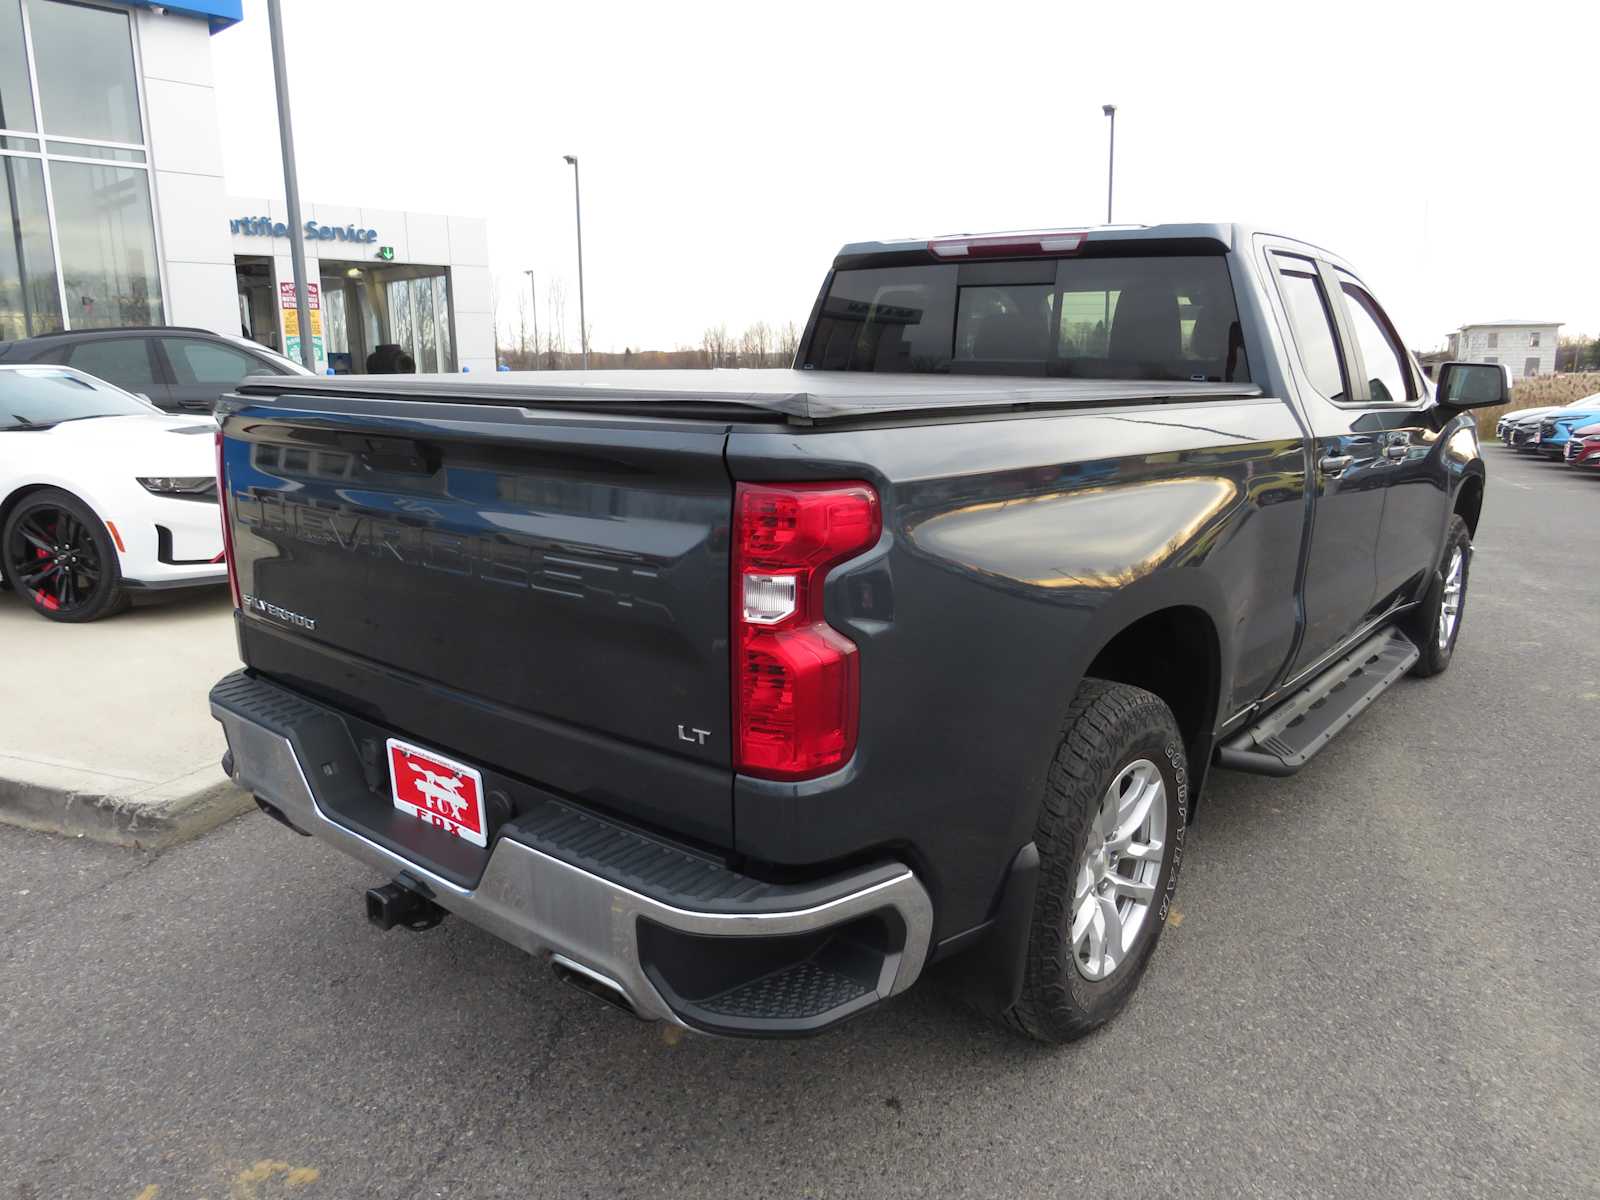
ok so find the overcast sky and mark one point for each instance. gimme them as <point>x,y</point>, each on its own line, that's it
<point>728,150</point>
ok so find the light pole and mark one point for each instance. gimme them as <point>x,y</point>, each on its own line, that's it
<point>577,202</point>
<point>291,187</point>
<point>1110,110</point>
<point>533,296</point>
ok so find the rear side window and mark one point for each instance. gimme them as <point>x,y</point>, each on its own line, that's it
<point>121,361</point>
<point>1312,322</point>
<point>1155,317</point>
<point>194,361</point>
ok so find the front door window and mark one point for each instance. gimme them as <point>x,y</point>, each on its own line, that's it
<point>1387,377</point>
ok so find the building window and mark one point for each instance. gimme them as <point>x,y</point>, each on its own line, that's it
<point>30,300</point>
<point>84,61</point>
<point>16,89</point>
<point>1494,338</point>
<point>81,250</point>
<point>419,320</point>
<point>1491,358</point>
<point>1530,368</point>
<point>1533,339</point>
<point>107,244</point>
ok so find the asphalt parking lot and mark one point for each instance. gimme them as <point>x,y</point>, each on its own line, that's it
<point>1381,980</point>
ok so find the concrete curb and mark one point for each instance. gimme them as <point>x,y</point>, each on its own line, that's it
<point>150,819</point>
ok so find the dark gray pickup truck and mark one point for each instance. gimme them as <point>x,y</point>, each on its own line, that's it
<point>746,698</point>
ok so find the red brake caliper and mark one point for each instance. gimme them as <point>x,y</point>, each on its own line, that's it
<point>42,600</point>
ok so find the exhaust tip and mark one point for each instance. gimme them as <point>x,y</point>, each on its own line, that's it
<point>592,982</point>
<point>276,813</point>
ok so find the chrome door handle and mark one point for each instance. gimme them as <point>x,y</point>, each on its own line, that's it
<point>1335,464</point>
<point>1396,453</point>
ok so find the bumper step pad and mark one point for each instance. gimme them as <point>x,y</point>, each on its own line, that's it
<point>793,994</point>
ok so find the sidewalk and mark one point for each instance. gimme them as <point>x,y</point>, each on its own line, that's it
<point>104,728</point>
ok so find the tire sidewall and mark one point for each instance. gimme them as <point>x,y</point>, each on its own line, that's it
<point>1100,999</point>
<point>108,594</point>
<point>1465,543</point>
<point>1435,658</point>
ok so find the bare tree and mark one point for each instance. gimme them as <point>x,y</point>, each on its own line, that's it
<point>755,345</point>
<point>555,337</point>
<point>718,346</point>
<point>788,344</point>
<point>494,311</point>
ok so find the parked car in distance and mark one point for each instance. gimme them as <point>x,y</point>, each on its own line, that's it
<point>739,697</point>
<point>176,368</point>
<point>1503,426</point>
<point>1550,439</point>
<point>1520,427</point>
<point>102,495</point>
<point>1583,447</point>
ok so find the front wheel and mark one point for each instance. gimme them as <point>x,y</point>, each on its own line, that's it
<point>59,556</point>
<point>1110,840</point>
<point>1436,624</point>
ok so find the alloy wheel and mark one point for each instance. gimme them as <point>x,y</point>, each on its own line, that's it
<point>1455,589</point>
<point>1115,888</point>
<point>52,557</point>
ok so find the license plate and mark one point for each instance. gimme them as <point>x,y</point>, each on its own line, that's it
<point>438,790</point>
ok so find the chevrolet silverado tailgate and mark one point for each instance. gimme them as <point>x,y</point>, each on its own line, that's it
<point>541,594</point>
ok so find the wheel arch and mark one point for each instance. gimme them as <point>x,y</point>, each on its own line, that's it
<point>10,501</point>
<point>1166,639</point>
<point>1469,500</point>
<point>22,491</point>
<point>1164,634</point>
<point>1175,653</point>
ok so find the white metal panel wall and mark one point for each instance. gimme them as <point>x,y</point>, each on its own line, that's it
<point>186,170</point>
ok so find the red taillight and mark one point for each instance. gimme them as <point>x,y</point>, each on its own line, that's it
<point>796,681</point>
<point>227,530</point>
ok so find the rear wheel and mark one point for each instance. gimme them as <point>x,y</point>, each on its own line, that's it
<point>1110,842</point>
<point>1436,623</point>
<point>59,556</point>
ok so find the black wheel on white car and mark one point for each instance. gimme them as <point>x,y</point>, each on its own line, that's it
<point>58,556</point>
<point>1436,624</point>
<point>1110,841</point>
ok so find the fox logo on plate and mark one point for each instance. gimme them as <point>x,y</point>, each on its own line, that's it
<point>437,790</point>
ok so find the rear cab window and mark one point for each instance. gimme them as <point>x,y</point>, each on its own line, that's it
<point>1148,317</point>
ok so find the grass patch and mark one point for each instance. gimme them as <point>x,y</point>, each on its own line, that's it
<point>1539,393</point>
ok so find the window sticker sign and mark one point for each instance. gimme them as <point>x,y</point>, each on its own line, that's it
<point>291,322</point>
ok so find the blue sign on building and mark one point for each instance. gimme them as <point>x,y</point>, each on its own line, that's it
<point>267,227</point>
<point>218,13</point>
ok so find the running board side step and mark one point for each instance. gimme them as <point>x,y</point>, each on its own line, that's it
<point>1287,737</point>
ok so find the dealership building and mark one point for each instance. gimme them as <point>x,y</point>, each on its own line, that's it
<point>113,208</point>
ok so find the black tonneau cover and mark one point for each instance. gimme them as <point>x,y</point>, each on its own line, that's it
<point>800,397</point>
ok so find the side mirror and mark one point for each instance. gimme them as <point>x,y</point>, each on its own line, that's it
<point>1473,385</point>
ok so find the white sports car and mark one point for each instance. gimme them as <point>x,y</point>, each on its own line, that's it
<point>101,494</point>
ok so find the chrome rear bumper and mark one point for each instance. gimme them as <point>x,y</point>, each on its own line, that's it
<point>591,924</point>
